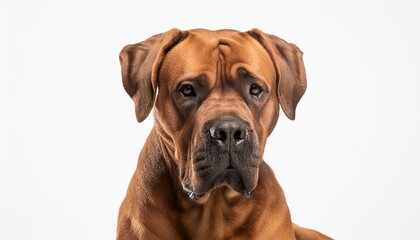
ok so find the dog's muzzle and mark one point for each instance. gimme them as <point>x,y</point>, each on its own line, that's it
<point>227,154</point>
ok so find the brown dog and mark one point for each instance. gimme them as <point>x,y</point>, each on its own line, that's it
<point>201,174</point>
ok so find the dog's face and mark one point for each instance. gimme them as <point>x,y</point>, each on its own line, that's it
<point>218,100</point>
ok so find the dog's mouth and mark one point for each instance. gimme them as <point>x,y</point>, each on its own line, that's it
<point>230,178</point>
<point>196,196</point>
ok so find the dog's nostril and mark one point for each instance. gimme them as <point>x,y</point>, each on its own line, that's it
<point>239,135</point>
<point>221,135</point>
<point>218,134</point>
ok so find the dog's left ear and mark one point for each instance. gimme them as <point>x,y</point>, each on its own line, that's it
<point>291,75</point>
<point>140,65</point>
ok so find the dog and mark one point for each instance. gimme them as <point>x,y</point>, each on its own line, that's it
<point>216,97</point>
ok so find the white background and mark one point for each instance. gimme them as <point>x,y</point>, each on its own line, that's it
<point>69,141</point>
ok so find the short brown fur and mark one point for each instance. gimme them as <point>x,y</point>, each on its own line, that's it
<point>156,205</point>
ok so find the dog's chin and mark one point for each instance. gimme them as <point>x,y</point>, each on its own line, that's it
<point>228,178</point>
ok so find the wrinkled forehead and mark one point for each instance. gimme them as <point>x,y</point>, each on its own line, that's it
<point>213,53</point>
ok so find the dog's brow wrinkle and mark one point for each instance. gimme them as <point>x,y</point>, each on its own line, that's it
<point>201,79</point>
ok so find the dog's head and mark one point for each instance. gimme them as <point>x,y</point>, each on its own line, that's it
<point>216,97</point>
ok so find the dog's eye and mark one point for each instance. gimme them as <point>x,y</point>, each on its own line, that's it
<point>256,90</point>
<point>187,91</point>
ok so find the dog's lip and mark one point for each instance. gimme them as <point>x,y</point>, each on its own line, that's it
<point>191,193</point>
<point>195,195</point>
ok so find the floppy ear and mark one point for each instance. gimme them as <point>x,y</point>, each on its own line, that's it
<point>140,65</point>
<point>291,75</point>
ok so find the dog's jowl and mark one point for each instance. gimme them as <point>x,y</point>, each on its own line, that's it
<point>216,97</point>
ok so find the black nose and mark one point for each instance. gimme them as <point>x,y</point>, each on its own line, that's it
<point>228,131</point>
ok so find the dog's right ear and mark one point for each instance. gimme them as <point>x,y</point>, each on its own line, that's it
<point>140,65</point>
